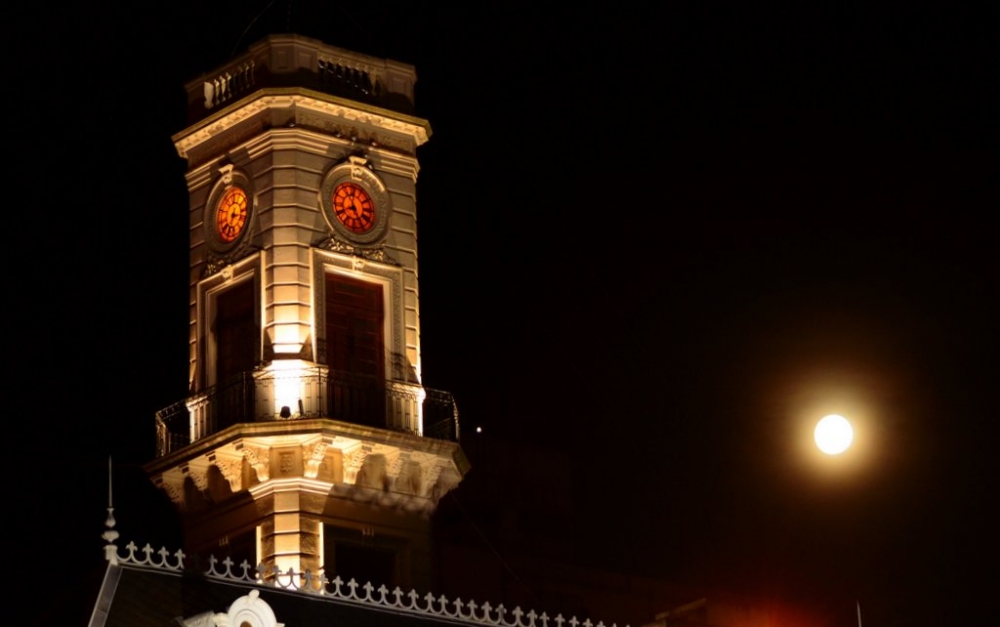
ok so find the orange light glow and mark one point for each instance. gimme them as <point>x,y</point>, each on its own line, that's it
<point>353,207</point>
<point>231,214</point>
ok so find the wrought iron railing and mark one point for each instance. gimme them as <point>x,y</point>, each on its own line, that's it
<point>440,415</point>
<point>270,395</point>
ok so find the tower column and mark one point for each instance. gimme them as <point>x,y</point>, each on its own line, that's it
<point>290,534</point>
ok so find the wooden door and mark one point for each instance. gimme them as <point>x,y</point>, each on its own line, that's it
<point>355,349</point>
<point>236,349</point>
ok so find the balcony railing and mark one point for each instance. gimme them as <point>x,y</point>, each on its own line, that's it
<point>293,61</point>
<point>270,395</point>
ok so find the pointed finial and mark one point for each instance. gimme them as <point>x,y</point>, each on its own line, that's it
<point>110,500</point>
<point>110,535</point>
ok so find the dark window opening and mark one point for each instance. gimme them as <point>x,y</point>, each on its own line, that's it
<point>235,331</point>
<point>236,353</point>
<point>350,554</point>
<point>355,350</point>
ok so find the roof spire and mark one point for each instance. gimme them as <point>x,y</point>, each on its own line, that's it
<point>110,550</point>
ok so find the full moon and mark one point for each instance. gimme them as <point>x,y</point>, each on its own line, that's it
<point>833,434</point>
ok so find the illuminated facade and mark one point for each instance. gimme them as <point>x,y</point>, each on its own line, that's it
<point>306,406</point>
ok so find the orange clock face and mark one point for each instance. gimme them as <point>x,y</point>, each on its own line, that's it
<point>354,207</point>
<point>231,215</point>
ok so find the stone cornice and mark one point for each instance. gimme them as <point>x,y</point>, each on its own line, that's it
<point>311,141</point>
<point>363,464</point>
<point>291,98</point>
<point>298,429</point>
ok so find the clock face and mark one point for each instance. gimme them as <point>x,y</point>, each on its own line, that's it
<point>231,214</point>
<point>353,207</point>
<point>354,203</point>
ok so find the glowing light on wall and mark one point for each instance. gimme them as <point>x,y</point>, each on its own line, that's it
<point>290,378</point>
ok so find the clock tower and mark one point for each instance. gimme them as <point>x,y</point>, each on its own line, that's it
<point>307,441</point>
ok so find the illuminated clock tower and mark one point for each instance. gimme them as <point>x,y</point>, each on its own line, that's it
<point>307,441</point>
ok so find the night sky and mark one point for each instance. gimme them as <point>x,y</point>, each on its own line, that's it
<point>658,243</point>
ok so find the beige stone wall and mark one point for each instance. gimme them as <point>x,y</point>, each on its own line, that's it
<point>285,169</point>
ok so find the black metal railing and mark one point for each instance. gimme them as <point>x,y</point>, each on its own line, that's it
<point>362,400</point>
<point>173,428</point>
<point>440,415</point>
<point>232,402</point>
<point>350,397</point>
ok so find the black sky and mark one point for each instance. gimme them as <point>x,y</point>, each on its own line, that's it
<point>657,240</point>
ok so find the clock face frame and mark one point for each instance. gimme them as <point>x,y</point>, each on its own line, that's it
<point>355,203</point>
<point>231,214</point>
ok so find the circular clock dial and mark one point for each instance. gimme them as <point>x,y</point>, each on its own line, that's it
<point>231,215</point>
<point>353,207</point>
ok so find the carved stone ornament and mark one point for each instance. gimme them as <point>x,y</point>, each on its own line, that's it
<point>354,133</point>
<point>249,610</point>
<point>259,460</point>
<point>226,174</point>
<point>314,458</point>
<point>198,473</point>
<point>338,245</point>
<point>353,460</point>
<point>218,263</point>
<point>173,484</point>
<point>231,469</point>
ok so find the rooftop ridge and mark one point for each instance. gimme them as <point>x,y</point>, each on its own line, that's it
<point>352,592</point>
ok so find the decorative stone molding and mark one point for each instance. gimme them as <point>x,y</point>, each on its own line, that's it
<point>447,480</point>
<point>197,471</point>
<point>258,458</point>
<point>394,463</point>
<point>373,473</point>
<point>287,463</point>
<point>314,457</point>
<point>393,468</point>
<point>173,484</point>
<point>431,472</point>
<point>318,110</point>
<point>401,125</point>
<point>216,262</point>
<point>253,611</point>
<point>410,478</point>
<point>207,131</point>
<point>231,468</point>
<point>353,461</point>
<point>226,174</point>
<point>353,133</point>
<point>359,253</point>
